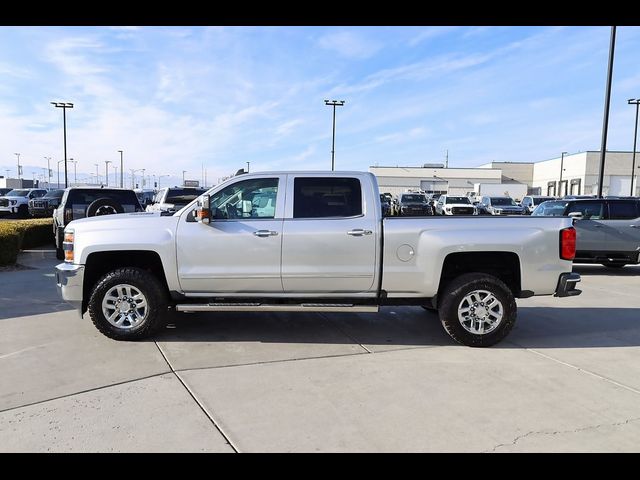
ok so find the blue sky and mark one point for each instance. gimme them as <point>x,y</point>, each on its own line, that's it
<point>174,98</point>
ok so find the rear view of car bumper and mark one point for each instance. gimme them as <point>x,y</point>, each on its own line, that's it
<point>567,285</point>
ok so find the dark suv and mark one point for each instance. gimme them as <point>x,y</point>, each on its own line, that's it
<point>84,202</point>
<point>608,230</point>
<point>414,204</point>
<point>44,206</point>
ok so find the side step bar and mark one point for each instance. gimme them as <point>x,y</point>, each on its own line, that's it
<point>266,307</point>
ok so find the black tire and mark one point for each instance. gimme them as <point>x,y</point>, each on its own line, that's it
<point>614,265</point>
<point>104,206</point>
<point>59,253</point>
<point>148,285</point>
<point>452,297</point>
<point>23,211</point>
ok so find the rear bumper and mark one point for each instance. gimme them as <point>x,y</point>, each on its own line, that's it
<point>567,285</point>
<point>69,279</point>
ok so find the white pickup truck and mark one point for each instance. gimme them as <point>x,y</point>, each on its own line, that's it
<point>311,241</point>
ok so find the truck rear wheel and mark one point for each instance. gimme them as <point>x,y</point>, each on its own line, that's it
<point>128,304</point>
<point>477,309</point>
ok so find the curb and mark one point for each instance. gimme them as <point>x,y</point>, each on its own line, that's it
<point>36,254</point>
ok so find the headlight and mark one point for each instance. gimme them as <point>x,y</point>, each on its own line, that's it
<point>67,245</point>
<point>13,202</point>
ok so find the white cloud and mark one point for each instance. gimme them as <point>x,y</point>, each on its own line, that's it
<point>349,44</point>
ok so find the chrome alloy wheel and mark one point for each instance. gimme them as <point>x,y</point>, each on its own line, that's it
<point>124,306</point>
<point>480,312</point>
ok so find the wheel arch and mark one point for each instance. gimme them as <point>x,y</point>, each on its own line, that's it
<point>100,263</point>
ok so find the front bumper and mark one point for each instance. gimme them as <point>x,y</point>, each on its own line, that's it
<point>567,285</point>
<point>69,278</point>
<point>8,209</point>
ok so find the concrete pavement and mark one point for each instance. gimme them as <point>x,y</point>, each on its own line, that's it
<point>566,379</point>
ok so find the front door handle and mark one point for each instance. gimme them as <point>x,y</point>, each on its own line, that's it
<point>634,226</point>
<point>265,233</point>
<point>358,232</point>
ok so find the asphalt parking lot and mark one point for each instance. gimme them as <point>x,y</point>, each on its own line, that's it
<point>566,379</point>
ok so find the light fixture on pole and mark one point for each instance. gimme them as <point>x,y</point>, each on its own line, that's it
<point>64,106</point>
<point>636,102</point>
<point>334,103</point>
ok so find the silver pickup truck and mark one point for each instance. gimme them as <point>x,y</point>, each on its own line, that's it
<point>311,241</point>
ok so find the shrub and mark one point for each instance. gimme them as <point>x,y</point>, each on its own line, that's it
<point>21,234</point>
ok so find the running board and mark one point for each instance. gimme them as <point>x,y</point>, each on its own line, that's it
<point>267,307</point>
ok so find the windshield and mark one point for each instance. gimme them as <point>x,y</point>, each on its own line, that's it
<point>503,201</point>
<point>413,198</point>
<point>182,196</point>
<point>54,194</point>
<point>539,200</point>
<point>458,200</point>
<point>18,193</point>
<point>550,209</point>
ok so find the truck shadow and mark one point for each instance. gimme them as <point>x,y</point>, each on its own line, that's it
<point>601,270</point>
<point>537,327</point>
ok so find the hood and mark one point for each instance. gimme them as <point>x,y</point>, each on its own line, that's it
<point>413,204</point>
<point>124,221</point>
<point>457,205</point>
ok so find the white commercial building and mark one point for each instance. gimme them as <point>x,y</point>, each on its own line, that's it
<point>580,174</point>
<point>453,181</point>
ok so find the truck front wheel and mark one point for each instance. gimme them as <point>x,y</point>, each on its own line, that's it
<point>128,304</point>
<point>477,309</point>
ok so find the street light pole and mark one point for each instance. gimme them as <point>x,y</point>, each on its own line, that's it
<point>97,174</point>
<point>48,172</point>
<point>64,106</point>
<point>18,155</point>
<point>75,176</point>
<point>59,172</point>
<point>334,103</point>
<point>560,183</point>
<point>106,171</point>
<point>605,120</point>
<point>121,171</point>
<point>636,102</point>
<point>183,172</point>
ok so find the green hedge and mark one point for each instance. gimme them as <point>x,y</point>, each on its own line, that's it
<point>21,234</point>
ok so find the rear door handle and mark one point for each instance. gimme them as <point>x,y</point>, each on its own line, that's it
<point>358,232</point>
<point>265,233</point>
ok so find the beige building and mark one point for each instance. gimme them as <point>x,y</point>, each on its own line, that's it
<point>453,181</point>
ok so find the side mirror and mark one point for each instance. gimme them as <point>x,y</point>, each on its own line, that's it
<point>203,212</point>
<point>576,215</point>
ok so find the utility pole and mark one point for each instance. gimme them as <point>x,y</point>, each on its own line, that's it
<point>446,161</point>
<point>121,171</point>
<point>334,103</point>
<point>561,167</point>
<point>636,102</point>
<point>605,121</point>
<point>64,106</point>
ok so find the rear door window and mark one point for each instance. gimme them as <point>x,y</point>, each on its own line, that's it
<point>623,210</point>
<point>589,210</point>
<point>326,197</point>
